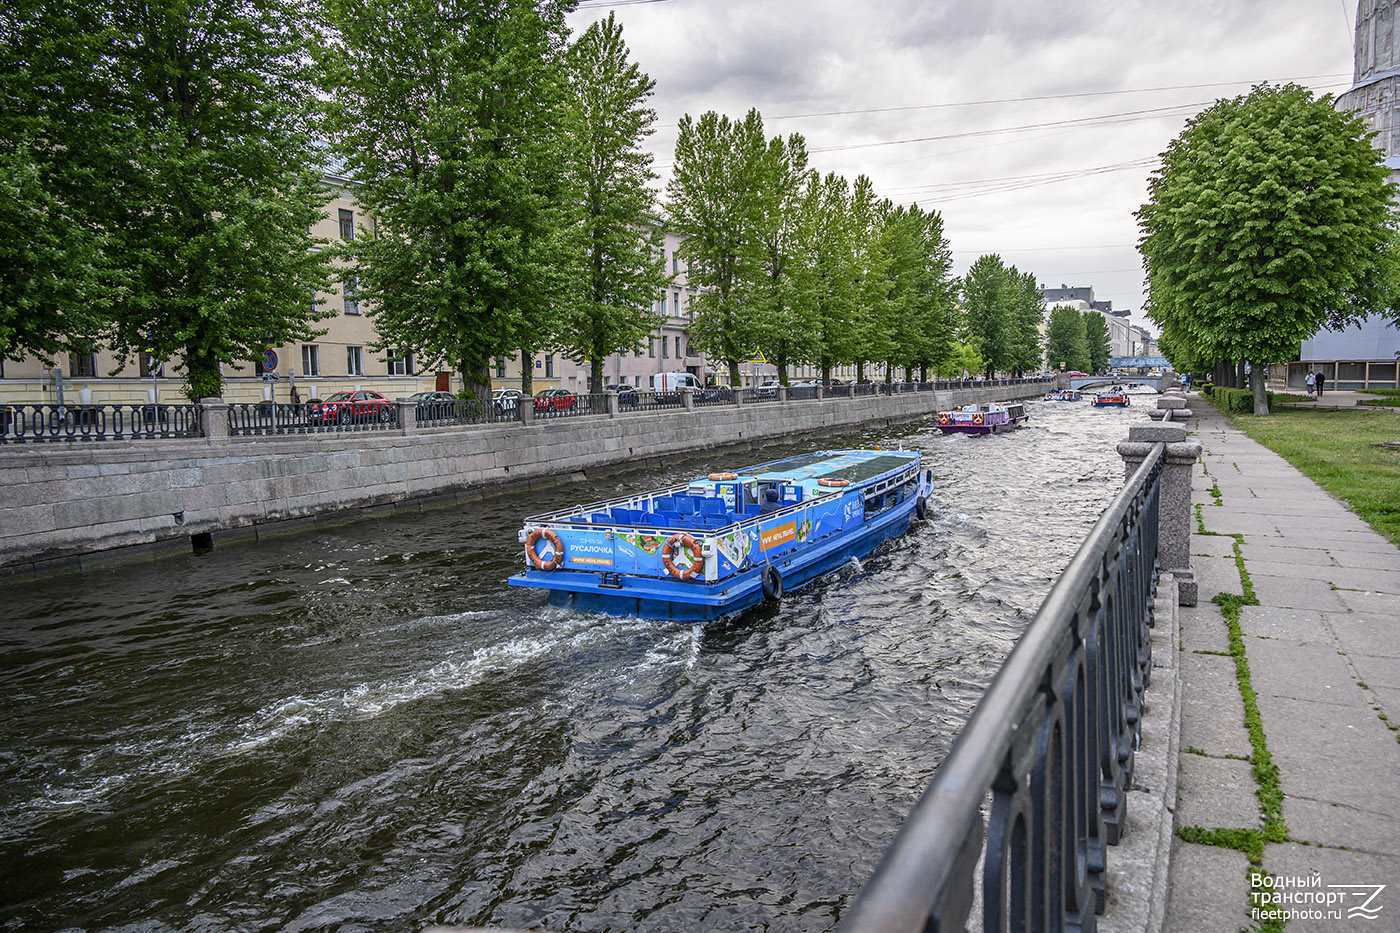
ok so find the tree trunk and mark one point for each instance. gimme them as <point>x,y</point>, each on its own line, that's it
<point>596,375</point>
<point>1257,375</point>
<point>1241,378</point>
<point>734,379</point>
<point>527,373</point>
<point>860,372</point>
<point>477,380</point>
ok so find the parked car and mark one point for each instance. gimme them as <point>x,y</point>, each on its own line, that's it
<point>547,400</point>
<point>716,393</point>
<point>361,407</point>
<point>769,389</point>
<point>504,401</point>
<point>627,396</point>
<point>432,406</point>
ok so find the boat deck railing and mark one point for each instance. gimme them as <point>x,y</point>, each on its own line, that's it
<point>1034,789</point>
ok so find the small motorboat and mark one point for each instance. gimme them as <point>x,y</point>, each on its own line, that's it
<point>1111,398</point>
<point>985,418</point>
<point>720,543</point>
<point>1062,395</point>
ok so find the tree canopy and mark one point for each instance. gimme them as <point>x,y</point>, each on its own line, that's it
<point>1064,339</point>
<point>1269,217</point>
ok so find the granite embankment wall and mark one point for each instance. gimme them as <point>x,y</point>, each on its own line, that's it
<point>63,504</point>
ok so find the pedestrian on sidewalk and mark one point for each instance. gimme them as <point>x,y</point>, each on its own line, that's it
<point>1311,380</point>
<point>1318,381</point>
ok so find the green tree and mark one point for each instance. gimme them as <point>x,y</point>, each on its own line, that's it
<point>448,117</point>
<point>223,183</point>
<point>1268,218</point>
<point>870,338</point>
<point>712,202</point>
<point>1027,313</point>
<point>781,333</point>
<point>1064,340</point>
<point>826,273</point>
<point>1097,341</point>
<point>988,312</point>
<point>918,289</point>
<point>962,361</point>
<point>615,244</point>
<point>59,143</point>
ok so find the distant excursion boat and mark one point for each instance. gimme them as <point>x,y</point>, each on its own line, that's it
<point>727,541</point>
<point>1114,398</point>
<point>1062,395</point>
<point>986,418</point>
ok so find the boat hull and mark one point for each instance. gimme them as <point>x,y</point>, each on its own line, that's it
<point>693,601</point>
<point>998,428</point>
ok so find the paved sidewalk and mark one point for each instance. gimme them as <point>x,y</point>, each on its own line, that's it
<point>1323,651</point>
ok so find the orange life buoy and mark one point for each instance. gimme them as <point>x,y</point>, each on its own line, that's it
<point>977,418</point>
<point>943,417</point>
<point>722,476</point>
<point>833,482</point>
<point>668,552</point>
<point>555,562</point>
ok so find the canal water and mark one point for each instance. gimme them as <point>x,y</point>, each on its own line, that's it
<point>361,727</point>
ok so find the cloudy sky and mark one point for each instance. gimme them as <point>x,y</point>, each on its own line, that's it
<point>1031,127</point>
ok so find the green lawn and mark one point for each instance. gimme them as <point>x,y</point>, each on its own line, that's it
<point>1336,450</point>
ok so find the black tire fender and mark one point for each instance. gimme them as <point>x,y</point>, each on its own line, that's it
<point>921,508</point>
<point>772,583</point>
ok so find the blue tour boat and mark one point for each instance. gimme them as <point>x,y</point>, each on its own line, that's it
<point>724,542</point>
<point>1113,398</point>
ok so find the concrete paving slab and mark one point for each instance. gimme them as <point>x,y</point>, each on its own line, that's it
<point>1216,575</point>
<point>1335,866</point>
<point>1292,593</point>
<point>1229,522</point>
<point>1296,626</point>
<point>1302,569</point>
<point>1213,545</point>
<point>1384,605</point>
<point>1389,700</point>
<point>1377,672</point>
<point>1366,633</point>
<point>1212,713</point>
<point>1377,560</point>
<point>1215,793</point>
<point>1203,628</point>
<point>1366,580</point>
<point>1346,542</point>
<point>1321,822</point>
<point>1255,549</point>
<point>1208,890</point>
<point>1314,671</point>
<point>1332,753</point>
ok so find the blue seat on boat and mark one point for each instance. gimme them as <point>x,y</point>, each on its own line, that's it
<point>668,517</point>
<point>685,505</point>
<point>602,518</point>
<point>712,507</point>
<point>622,515</point>
<point>663,504</point>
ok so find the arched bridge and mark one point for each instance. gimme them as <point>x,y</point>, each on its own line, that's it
<point>1166,380</point>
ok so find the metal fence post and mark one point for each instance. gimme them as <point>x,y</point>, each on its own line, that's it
<point>1174,522</point>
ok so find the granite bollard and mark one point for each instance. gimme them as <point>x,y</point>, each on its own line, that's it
<point>1174,509</point>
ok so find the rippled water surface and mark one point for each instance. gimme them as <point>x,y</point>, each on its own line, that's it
<point>361,727</point>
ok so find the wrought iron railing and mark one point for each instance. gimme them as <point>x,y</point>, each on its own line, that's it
<point>1050,745</point>
<point>648,401</point>
<point>254,419</point>
<point>714,395</point>
<point>37,424</point>
<point>802,393</point>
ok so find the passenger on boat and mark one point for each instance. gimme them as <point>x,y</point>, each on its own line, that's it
<point>770,502</point>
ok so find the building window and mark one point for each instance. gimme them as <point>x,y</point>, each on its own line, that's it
<point>82,365</point>
<point>675,264</point>
<point>347,224</point>
<point>664,354</point>
<point>661,304</point>
<point>676,303</point>
<point>351,289</point>
<point>679,356</point>
<point>149,365</point>
<point>400,364</point>
<point>354,361</point>
<point>549,366</point>
<point>651,347</point>
<point>500,367</point>
<point>310,359</point>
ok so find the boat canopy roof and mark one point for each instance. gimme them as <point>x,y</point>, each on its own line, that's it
<point>855,466</point>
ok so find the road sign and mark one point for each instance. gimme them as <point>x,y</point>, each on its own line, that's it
<point>270,360</point>
<point>271,378</point>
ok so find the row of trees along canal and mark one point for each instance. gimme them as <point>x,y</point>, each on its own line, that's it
<point>163,163</point>
<point>1269,218</point>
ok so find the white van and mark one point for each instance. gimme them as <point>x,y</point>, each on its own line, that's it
<point>674,382</point>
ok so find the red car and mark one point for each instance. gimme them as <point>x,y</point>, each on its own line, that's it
<point>554,400</point>
<point>352,408</point>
